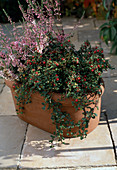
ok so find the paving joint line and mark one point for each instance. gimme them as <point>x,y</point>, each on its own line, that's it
<point>2,88</point>
<point>69,167</point>
<point>18,166</point>
<point>111,135</point>
<point>110,76</point>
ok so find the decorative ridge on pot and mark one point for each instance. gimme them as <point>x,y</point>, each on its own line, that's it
<point>44,65</point>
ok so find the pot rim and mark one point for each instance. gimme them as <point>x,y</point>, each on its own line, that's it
<point>56,96</point>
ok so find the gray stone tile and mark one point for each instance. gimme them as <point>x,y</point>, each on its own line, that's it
<point>91,35</point>
<point>12,131</point>
<point>98,23</point>
<point>6,102</point>
<point>1,81</point>
<point>109,98</point>
<point>86,24</point>
<point>95,150</point>
<point>105,48</point>
<point>1,88</point>
<point>113,126</point>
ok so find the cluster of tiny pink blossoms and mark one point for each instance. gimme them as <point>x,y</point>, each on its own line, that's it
<point>31,39</point>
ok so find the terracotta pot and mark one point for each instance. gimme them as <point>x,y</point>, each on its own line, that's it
<point>35,115</point>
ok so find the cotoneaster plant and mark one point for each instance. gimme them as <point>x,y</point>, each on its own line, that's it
<point>44,60</point>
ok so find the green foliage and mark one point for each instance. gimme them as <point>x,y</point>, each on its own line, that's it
<point>109,6</point>
<point>108,32</point>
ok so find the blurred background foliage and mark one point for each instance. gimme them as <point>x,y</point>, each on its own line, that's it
<point>93,8</point>
<point>12,8</point>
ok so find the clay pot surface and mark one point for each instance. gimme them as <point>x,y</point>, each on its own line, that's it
<point>35,115</point>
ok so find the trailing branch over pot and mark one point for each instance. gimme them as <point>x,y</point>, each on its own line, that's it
<point>44,67</point>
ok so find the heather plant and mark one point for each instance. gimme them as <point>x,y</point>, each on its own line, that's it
<point>43,59</point>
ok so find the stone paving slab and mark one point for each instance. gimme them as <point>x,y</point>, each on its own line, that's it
<point>12,131</point>
<point>6,102</point>
<point>113,126</point>
<point>1,81</point>
<point>109,98</point>
<point>112,60</point>
<point>87,24</point>
<point>95,150</point>
<point>98,23</point>
<point>91,35</point>
<point>1,87</point>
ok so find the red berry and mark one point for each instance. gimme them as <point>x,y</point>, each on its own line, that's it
<point>97,50</point>
<point>98,66</point>
<point>57,64</point>
<point>92,70</point>
<point>89,53</point>
<point>94,52</point>
<point>61,45</point>
<point>36,72</point>
<point>25,78</point>
<point>30,63</point>
<point>56,75</point>
<point>99,74</point>
<point>76,100</point>
<point>91,65</point>
<point>84,79</point>
<point>98,59</point>
<point>78,108</point>
<point>13,86</point>
<point>68,40</point>
<point>57,79</point>
<point>33,56</point>
<point>89,62</point>
<point>44,62</point>
<point>62,58</point>
<point>102,51</point>
<point>79,78</point>
<point>40,55</point>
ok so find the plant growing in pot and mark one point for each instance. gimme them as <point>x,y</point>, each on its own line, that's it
<point>54,86</point>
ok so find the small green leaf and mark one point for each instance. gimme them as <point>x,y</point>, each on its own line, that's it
<point>43,107</point>
<point>112,33</point>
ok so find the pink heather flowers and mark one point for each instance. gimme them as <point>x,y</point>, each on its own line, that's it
<point>39,22</point>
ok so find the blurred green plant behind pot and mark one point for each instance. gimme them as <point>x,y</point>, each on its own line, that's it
<point>108,31</point>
